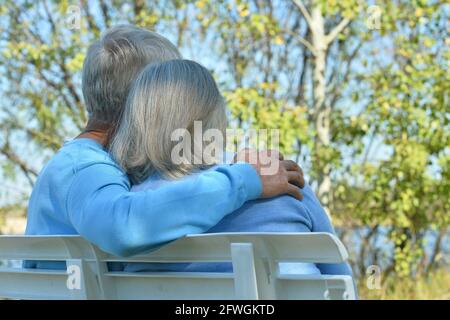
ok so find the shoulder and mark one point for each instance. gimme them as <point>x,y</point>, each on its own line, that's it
<point>91,165</point>
<point>93,169</point>
<point>75,157</point>
<point>87,152</point>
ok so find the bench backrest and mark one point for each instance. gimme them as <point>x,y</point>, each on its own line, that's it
<point>255,258</point>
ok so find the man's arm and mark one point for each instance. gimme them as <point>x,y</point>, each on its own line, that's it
<point>104,211</point>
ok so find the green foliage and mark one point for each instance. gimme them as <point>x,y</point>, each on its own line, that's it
<point>386,96</point>
<point>408,189</point>
<point>435,286</point>
<point>248,105</point>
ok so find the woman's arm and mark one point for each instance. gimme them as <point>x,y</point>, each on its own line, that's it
<point>104,211</point>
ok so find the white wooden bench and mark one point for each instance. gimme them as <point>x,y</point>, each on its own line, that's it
<point>254,257</point>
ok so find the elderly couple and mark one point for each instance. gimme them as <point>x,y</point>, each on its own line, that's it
<point>116,185</point>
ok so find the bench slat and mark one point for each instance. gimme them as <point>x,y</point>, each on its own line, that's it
<point>33,284</point>
<point>265,249</point>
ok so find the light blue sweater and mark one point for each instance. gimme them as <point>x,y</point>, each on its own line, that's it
<point>280,214</point>
<point>83,191</point>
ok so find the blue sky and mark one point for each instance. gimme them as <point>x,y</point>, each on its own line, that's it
<point>203,53</point>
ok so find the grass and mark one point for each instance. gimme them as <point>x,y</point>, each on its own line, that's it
<point>434,287</point>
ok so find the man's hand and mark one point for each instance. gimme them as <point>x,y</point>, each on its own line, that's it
<point>278,176</point>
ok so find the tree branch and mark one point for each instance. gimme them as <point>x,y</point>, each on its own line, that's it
<point>79,122</point>
<point>49,17</point>
<point>106,17</point>
<point>89,18</point>
<point>23,166</point>
<point>436,250</point>
<point>72,90</point>
<point>138,6</point>
<point>337,88</point>
<point>303,41</point>
<point>300,87</point>
<point>304,12</point>
<point>338,29</point>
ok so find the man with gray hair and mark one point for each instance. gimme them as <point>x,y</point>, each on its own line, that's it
<point>83,191</point>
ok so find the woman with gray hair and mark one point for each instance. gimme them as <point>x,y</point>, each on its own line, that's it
<point>166,103</point>
<point>177,95</point>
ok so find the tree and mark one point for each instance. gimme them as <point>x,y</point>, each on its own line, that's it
<point>407,189</point>
<point>363,110</point>
<point>321,111</point>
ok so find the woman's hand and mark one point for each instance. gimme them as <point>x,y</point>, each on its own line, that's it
<point>278,176</point>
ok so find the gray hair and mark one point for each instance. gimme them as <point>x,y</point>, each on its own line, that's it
<point>166,97</point>
<point>113,62</point>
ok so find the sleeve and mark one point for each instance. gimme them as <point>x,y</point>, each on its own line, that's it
<point>103,210</point>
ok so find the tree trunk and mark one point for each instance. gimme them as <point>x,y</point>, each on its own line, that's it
<point>320,111</point>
